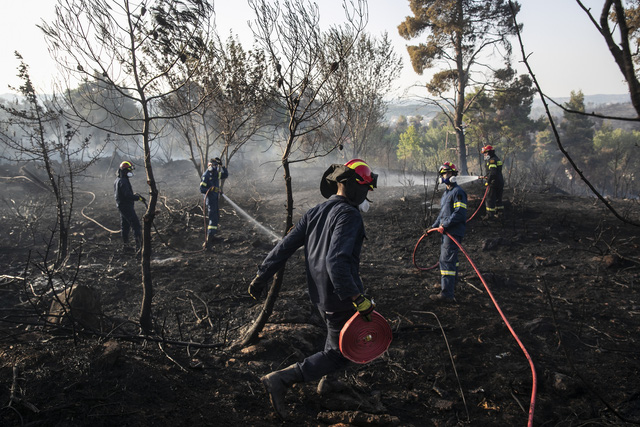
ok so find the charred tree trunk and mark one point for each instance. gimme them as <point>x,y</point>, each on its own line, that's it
<point>252,335</point>
<point>146,322</point>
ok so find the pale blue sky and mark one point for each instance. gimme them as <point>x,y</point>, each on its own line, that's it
<point>567,53</point>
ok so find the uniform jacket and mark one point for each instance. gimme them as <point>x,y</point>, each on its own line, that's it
<point>494,170</point>
<point>123,192</point>
<point>453,211</point>
<point>211,179</point>
<point>332,234</point>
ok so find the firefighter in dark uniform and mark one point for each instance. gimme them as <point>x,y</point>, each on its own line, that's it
<point>452,219</point>
<point>125,199</point>
<point>332,234</point>
<point>495,182</point>
<point>210,186</point>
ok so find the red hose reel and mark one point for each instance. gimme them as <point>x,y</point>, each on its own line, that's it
<point>362,341</point>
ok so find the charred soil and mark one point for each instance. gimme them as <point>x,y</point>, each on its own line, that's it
<point>563,270</point>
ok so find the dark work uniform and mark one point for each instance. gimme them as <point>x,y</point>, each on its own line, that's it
<point>495,181</point>
<point>210,186</point>
<point>125,199</point>
<point>453,218</point>
<point>332,234</point>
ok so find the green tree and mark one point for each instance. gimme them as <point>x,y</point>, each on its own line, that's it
<point>618,151</point>
<point>501,116</point>
<point>461,35</point>
<point>435,151</point>
<point>410,148</point>
<point>577,129</point>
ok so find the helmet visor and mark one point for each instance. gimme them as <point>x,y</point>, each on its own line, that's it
<point>371,181</point>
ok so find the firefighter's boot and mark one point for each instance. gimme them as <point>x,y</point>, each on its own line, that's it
<point>276,384</point>
<point>208,244</point>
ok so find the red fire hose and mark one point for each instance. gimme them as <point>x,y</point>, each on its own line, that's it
<point>495,303</point>
<point>481,203</point>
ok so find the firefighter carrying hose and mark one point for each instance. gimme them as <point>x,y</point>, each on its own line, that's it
<point>495,181</point>
<point>332,234</point>
<point>210,186</point>
<point>452,219</point>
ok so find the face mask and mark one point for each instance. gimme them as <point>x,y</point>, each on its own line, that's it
<point>210,168</point>
<point>364,206</point>
<point>444,180</point>
<point>487,157</point>
<point>129,174</point>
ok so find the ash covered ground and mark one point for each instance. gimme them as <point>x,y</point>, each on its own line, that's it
<point>564,271</point>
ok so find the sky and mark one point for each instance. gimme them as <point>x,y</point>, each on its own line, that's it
<point>565,50</point>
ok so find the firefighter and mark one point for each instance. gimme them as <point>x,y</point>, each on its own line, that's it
<point>211,187</point>
<point>452,219</point>
<point>332,234</point>
<point>125,198</point>
<point>495,182</point>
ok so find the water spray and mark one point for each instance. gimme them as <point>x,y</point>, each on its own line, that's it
<point>274,237</point>
<point>466,179</point>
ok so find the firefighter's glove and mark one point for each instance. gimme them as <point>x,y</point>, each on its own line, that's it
<point>365,306</point>
<point>257,287</point>
<point>140,198</point>
<point>439,229</point>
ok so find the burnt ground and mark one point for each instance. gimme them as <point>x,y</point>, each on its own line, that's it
<point>564,271</point>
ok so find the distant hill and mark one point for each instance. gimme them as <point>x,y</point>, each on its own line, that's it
<point>614,105</point>
<point>398,109</point>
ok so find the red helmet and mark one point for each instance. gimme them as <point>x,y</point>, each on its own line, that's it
<point>486,149</point>
<point>448,167</point>
<point>364,172</point>
<point>126,166</point>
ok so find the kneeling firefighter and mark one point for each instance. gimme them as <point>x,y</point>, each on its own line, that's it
<point>332,234</point>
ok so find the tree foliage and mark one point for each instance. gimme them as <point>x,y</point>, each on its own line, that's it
<point>618,159</point>
<point>460,36</point>
<point>501,116</point>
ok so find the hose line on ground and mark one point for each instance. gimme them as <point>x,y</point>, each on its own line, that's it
<point>91,219</point>
<point>504,319</point>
